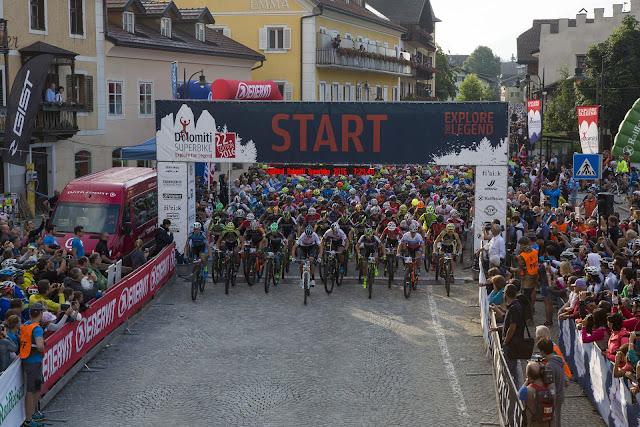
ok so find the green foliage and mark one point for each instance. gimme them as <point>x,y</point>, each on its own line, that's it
<point>483,61</point>
<point>491,94</point>
<point>619,53</point>
<point>471,89</point>
<point>445,77</point>
<point>560,114</point>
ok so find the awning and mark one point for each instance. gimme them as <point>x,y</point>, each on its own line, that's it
<point>144,151</point>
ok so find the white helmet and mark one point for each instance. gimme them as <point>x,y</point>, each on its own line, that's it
<point>254,225</point>
<point>413,227</point>
<point>454,213</point>
<point>375,210</point>
<point>374,202</point>
<point>568,255</point>
<point>386,205</point>
<point>392,226</point>
<point>197,226</point>
<point>8,262</point>
<point>593,270</point>
<point>250,216</point>
<point>240,213</point>
<point>352,191</point>
<point>312,211</point>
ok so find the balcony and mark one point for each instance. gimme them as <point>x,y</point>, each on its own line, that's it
<point>423,72</point>
<point>54,121</point>
<point>417,34</point>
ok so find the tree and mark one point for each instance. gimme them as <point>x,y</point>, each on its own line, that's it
<point>560,114</point>
<point>471,89</point>
<point>491,94</point>
<point>621,73</point>
<point>483,61</point>
<point>445,77</point>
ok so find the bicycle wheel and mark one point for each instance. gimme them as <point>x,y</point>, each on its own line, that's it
<point>227,279</point>
<point>339,276</point>
<point>202,281</point>
<point>359,266</point>
<point>407,283</point>
<point>277,270</point>
<point>324,273</point>
<point>305,288</point>
<point>194,284</point>
<point>329,278</point>
<point>214,268</point>
<point>437,267</point>
<point>267,276</point>
<point>251,272</point>
<point>447,277</point>
<point>391,265</point>
<point>370,278</point>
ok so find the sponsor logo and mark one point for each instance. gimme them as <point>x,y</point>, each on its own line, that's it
<point>225,145</point>
<point>252,91</point>
<point>173,216</point>
<point>90,327</point>
<point>492,183</point>
<point>628,150</point>
<point>490,210</point>
<point>172,196</point>
<point>67,244</point>
<point>112,194</point>
<point>57,356</point>
<point>25,96</point>
<point>93,193</point>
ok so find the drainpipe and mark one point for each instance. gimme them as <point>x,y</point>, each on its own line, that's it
<point>319,9</point>
<point>259,66</point>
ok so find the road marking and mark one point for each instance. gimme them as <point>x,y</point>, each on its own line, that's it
<point>446,357</point>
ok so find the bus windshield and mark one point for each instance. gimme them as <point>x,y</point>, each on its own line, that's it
<point>95,218</point>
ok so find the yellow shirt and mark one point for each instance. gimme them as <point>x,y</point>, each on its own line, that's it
<point>51,305</point>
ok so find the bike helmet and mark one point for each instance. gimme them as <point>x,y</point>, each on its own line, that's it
<point>368,231</point>
<point>240,213</point>
<point>299,187</point>
<point>285,190</point>
<point>592,270</point>
<point>316,192</point>
<point>430,209</point>
<point>32,290</point>
<point>273,227</point>
<point>403,208</point>
<point>352,191</point>
<point>230,226</point>
<point>440,218</point>
<point>335,206</point>
<point>375,210</point>
<point>286,215</point>
<point>386,205</point>
<point>250,216</point>
<point>454,213</point>
<point>391,226</point>
<point>6,286</point>
<point>636,243</point>
<point>242,194</point>
<point>413,227</point>
<point>408,218</point>
<point>451,227</point>
<point>576,242</point>
<point>8,262</point>
<point>197,226</point>
<point>219,206</point>
<point>420,205</point>
<point>374,202</point>
<point>312,211</point>
<point>568,255</point>
<point>335,227</point>
<point>309,230</point>
<point>344,218</point>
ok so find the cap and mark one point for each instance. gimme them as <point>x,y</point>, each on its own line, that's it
<point>48,317</point>
<point>580,283</point>
<point>37,306</point>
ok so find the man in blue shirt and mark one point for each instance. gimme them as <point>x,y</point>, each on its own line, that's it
<point>553,193</point>
<point>50,240</point>
<point>31,349</point>
<point>50,95</point>
<point>77,248</point>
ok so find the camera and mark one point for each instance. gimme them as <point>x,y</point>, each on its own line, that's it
<point>64,307</point>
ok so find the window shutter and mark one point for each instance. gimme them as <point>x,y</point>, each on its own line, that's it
<point>288,92</point>
<point>226,32</point>
<point>89,92</point>
<point>340,93</point>
<point>287,38</point>
<point>262,42</point>
<point>69,88</point>
<point>385,93</point>
<point>327,92</point>
<point>320,92</point>
<point>2,88</point>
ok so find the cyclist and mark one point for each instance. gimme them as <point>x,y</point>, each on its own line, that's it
<point>288,224</point>
<point>254,236</point>
<point>198,243</point>
<point>428,218</point>
<point>308,242</point>
<point>336,240</point>
<point>312,217</point>
<point>368,245</point>
<point>276,241</point>
<point>447,242</point>
<point>391,235</point>
<point>456,221</point>
<point>413,242</point>
<point>230,237</point>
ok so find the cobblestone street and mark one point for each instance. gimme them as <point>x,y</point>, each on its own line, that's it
<point>250,358</point>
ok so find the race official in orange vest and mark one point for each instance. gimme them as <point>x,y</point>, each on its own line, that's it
<point>31,350</point>
<point>527,268</point>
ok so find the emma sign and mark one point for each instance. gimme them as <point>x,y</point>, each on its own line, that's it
<point>269,4</point>
<point>474,133</point>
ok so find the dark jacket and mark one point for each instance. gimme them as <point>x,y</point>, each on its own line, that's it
<point>88,294</point>
<point>163,239</point>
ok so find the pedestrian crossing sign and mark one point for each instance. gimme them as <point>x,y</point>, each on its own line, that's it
<point>587,166</point>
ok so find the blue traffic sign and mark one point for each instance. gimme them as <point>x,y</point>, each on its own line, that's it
<point>587,166</point>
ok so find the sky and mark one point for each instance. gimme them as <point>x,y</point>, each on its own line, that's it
<point>498,23</point>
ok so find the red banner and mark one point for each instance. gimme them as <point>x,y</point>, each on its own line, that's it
<point>66,346</point>
<point>245,91</point>
<point>534,120</point>
<point>588,128</point>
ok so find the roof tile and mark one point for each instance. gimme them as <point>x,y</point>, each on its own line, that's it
<point>353,8</point>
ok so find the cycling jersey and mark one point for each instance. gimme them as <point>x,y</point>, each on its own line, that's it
<point>412,242</point>
<point>254,235</point>
<point>392,235</point>
<point>437,228</point>
<point>458,223</point>
<point>230,236</point>
<point>337,236</point>
<point>369,245</point>
<point>197,239</point>
<point>428,219</point>
<point>312,219</point>
<point>287,226</point>
<point>448,240</point>
<point>275,241</point>
<point>306,240</point>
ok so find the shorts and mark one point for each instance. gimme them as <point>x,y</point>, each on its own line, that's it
<point>334,245</point>
<point>412,251</point>
<point>34,378</point>
<point>447,249</point>
<point>227,245</point>
<point>308,251</point>
<point>545,291</point>
<point>368,251</point>
<point>197,250</point>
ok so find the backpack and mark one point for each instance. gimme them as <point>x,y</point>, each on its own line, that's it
<point>544,404</point>
<point>525,303</point>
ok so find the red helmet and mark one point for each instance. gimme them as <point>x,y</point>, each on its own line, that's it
<point>308,193</point>
<point>339,184</point>
<point>387,186</point>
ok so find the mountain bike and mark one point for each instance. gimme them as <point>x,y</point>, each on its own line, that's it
<point>230,271</point>
<point>270,271</point>
<point>217,271</point>
<point>410,276</point>
<point>390,265</point>
<point>371,273</point>
<point>254,265</point>
<point>331,274</point>
<point>445,261</point>
<point>305,282</point>
<point>198,278</point>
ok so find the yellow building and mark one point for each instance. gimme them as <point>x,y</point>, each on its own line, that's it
<point>299,39</point>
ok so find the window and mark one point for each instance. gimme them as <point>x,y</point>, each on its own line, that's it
<point>76,17</point>
<point>83,163</point>
<point>38,16</point>
<point>200,31</point>
<point>321,91</point>
<point>116,158</point>
<point>145,96</point>
<point>460,79</point>
<point>83,87</point>
<point>128,20</point>
<point>335,87</point>
<point>275,39</point>
<point>94,217</point>
<point>349,92</point>
<point>165,27</point>
<point>145,208</point>
<point>115,98</point>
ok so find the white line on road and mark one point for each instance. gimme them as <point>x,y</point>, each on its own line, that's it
<point>446,357</point>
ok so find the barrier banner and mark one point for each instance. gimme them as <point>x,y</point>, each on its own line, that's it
<point>491,198</point>
<point>471,133</point>
<point>588,124</point>
<point>534,120</point>
<point>66,346</point>
<point>173,199</point>
<point>485,318</point>
<point>594,372</point>
<point>12,395</point>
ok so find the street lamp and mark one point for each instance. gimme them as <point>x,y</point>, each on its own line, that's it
<point>202,81</point>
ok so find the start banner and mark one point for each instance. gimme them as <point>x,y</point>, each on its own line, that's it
<point>356,133</point>
<point>588,124</point>
<point>65,347</point>
<point>534,120</point>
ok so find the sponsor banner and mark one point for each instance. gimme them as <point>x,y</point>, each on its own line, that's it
<point>12,393</point>
<point>491,198</point>
<point>172,199</point>
<point>66,346</point>
<point>209,173</point>
<point>22,108</point>
<point>534,120</point>
<point>511,407</point>
<point>594,373</point>
<point>332,133</point>
<point>485,316</point>
<point>191,198</point>
<point>244,91</point>
<point>627,140</point>
<point>174,79</point>
<point>588,124</point>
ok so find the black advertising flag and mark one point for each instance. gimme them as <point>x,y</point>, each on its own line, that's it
<point>22,109</point>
